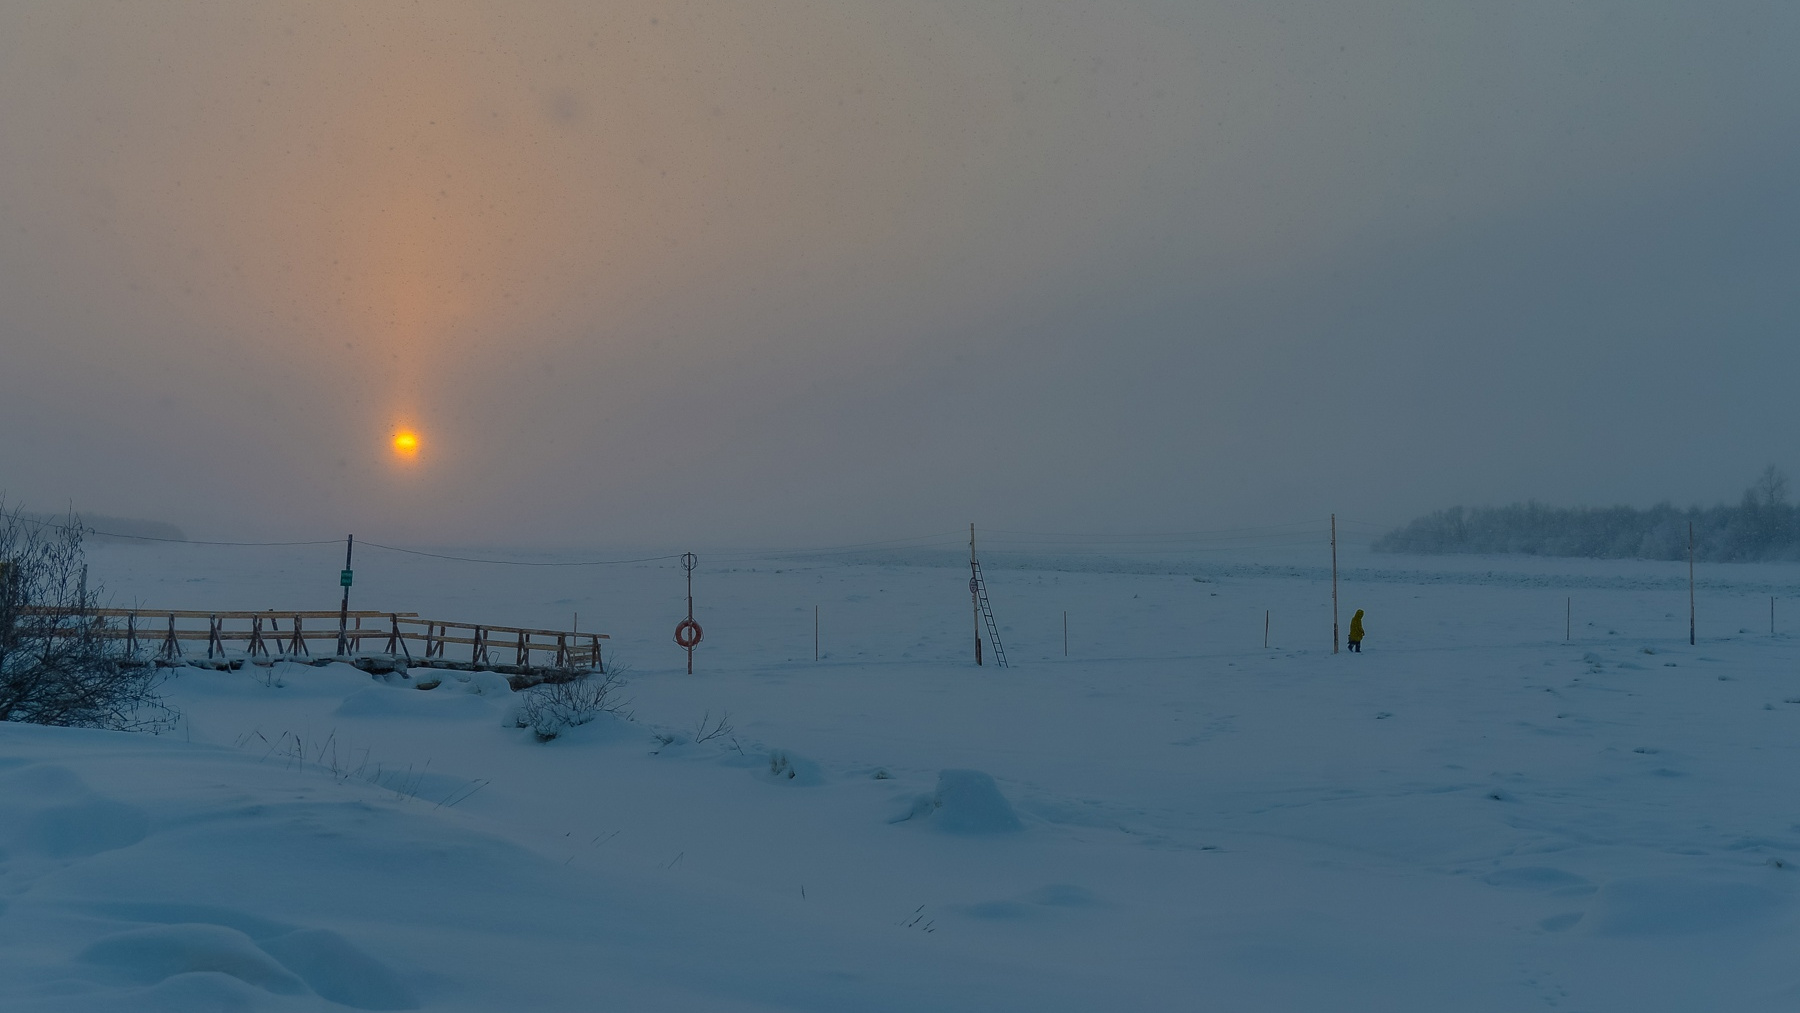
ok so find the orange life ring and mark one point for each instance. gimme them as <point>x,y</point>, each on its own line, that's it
<point>687,633</point>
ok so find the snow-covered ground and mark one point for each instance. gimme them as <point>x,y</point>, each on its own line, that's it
<point>1472,815</point>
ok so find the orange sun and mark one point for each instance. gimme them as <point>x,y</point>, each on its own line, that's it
<point>406,444</point>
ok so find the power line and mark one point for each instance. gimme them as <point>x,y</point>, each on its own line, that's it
<point>87,530</point>
<point>521,562</point>
<point>1076,543</point>
<point>1247,540</point>
<point>1154,550</point>
<point>855,547</point>
<point>196,541</point>
<point>1171,535</point>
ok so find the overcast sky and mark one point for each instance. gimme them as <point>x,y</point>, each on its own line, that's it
<point>798,273</point>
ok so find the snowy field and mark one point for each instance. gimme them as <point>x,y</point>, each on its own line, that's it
<point>1472,815</point>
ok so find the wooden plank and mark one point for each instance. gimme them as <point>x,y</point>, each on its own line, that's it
<point>198,614</point>
<point>404,617</point>
<point>501,629</point>
<point>121,633</point>
<point>279,626</point>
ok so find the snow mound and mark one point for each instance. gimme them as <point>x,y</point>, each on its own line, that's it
<point>197,954</point>
<point>1038,903</point>
<point>966,802</point>
<point>485,684</point>
<point>383,702</point>
<point>47,810</point>
<point>1679,905</point>
<point>337,970</point>
<point>150,955</point>
<point>1560,882</point>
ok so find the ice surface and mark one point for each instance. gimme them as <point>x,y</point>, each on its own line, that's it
<point>1473,815</point>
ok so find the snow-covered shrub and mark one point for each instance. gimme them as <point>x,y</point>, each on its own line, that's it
<point>788,768</point>
<point>59,663</point>
<point>780,766</point>
<point>553,708</point>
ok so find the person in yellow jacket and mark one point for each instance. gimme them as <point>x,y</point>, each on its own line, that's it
<point>1356,631</point>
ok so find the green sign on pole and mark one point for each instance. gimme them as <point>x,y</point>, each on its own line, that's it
<point>344,578</point>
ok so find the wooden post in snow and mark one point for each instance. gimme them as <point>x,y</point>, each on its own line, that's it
<point>975,594</point>
<point>343,644</point>
<point>1334,598</point>
<point>1690,583</point>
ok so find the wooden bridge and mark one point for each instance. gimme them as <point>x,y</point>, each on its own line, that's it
<point>390,640</point>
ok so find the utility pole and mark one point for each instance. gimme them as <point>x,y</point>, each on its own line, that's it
<point>1690,583</point>
<point>1568,619</point>
<point>815,633</point>
<point>1334,600</point>
<point>344,579</point>
<point>1066,628</point>
<point>975,593</point>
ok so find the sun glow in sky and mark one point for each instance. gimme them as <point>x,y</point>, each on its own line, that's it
<point>636,254</point>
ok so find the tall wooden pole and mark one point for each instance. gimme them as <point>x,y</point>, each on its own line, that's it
<point>688,562</point>
<point>1690,583</point>
<point>975,593</point>
<point>1334,602</point>
<point>344,609</point>
<point>1568,619</point>
<point>1066,626</point>
<point>1265,629</point>
<point>815,633</point>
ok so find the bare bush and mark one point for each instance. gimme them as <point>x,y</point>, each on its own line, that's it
<point>709,729</point>
<point>59,663</point>
<point>553,708</point>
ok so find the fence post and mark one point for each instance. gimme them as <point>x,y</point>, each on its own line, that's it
<point>256,638</point>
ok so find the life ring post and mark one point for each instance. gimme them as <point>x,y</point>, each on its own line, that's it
<point>688,632</point>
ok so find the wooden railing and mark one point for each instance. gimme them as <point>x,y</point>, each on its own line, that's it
<point>267,637</point>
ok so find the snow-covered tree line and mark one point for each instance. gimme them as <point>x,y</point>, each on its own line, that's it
<point>1763,526</point>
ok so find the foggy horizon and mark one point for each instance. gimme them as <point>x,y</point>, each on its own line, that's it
<point>656,274</point>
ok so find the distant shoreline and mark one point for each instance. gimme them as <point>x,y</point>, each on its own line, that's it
<point>1763,527</point>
